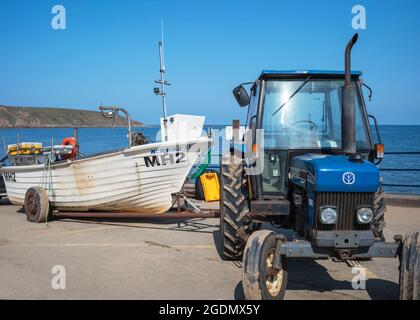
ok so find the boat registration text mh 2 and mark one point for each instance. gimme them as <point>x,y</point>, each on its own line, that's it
<point>165,159</point>
<point>9,176</point>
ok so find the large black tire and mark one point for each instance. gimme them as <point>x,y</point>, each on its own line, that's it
<point>259,280</point>
<point>410,268</point>
<point>37,205</point>
<point>235,224</point>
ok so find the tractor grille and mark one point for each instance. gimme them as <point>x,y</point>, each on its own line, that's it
<point>347,204</point>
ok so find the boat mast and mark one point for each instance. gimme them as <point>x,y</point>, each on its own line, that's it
<point>161,91</point>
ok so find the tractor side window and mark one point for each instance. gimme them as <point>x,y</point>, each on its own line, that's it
<point>361,130</point>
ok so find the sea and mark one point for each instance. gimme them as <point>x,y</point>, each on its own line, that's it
<point>395,168</point>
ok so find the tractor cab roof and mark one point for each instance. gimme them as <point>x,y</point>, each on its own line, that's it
<point>306,73</point>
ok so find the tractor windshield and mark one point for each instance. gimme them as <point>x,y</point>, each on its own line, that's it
<point>306,114</point>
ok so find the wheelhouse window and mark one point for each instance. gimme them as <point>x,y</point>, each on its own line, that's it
<point>306,114</point>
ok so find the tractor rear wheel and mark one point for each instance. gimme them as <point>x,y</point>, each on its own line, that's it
<point>410,268</point>
<point>260,281</point>
<point>235,224</point>
<point>37,205</point>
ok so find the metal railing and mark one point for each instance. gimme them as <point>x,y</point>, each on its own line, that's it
<point>401,170</point>
<point>216,167</point>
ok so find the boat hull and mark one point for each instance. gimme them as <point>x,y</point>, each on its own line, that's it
<point>138,179</point>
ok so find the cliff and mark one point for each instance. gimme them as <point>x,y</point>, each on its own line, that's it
<point>29,117</point>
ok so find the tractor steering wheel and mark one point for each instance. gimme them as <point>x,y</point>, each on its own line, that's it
<point>313,124</point>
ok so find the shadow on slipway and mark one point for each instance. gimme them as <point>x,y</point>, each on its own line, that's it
<point>309,275</point>
<point>198,225</point>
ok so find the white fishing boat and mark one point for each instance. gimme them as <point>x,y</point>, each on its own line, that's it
<point>140,178</point>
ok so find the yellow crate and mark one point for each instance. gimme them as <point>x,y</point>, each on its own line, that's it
<point>25,148</point>
<point>211,188</point>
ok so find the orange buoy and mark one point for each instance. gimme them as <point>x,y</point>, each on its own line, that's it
<point>70,141</point>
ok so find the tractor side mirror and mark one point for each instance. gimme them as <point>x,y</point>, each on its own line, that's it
<point>241,96</point>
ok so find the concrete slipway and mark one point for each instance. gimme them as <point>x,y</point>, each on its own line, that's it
<point>162,259</point>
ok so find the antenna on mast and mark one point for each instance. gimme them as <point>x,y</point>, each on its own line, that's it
<point>161,91</point>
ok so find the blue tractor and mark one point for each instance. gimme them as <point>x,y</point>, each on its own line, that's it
<point>308,165</point>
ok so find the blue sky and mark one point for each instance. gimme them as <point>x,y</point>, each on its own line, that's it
<point>109,54</point>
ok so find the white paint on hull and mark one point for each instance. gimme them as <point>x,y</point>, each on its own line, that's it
<point>114,181</point>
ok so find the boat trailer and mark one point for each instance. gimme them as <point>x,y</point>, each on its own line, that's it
<point>183,208</point>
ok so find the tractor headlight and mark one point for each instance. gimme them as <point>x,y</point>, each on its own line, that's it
<point>328,215</point>
<point>364,215</point>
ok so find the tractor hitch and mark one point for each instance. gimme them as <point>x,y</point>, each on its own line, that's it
<point>305,249</point>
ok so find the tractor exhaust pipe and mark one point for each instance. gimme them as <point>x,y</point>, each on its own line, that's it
<point>348,118</point>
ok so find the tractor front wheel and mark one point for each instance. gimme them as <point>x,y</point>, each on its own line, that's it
<point>410,268</point>
<point>260,280</point>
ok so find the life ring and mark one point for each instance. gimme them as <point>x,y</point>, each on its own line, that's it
<point>70,141</point>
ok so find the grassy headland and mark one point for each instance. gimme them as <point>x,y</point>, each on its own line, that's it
<point>30,117</point>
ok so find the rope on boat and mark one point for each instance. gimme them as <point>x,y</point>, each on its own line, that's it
<point>46,180</point>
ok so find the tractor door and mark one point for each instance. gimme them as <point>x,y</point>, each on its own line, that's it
<point>251,121</point>
<point>254,181</point>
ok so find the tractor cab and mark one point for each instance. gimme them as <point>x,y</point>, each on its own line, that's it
<point>300,112</point>
<point>316,149</point>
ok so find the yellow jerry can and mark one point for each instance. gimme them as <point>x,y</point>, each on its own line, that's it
<point>211,188</point>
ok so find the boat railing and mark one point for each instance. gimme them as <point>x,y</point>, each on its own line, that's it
<point>112,113</point>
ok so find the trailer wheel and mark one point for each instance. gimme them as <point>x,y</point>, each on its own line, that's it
<point>37,205</point>
<point>260,281</point>
<point>235,224</point>
<point>410,268</point>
